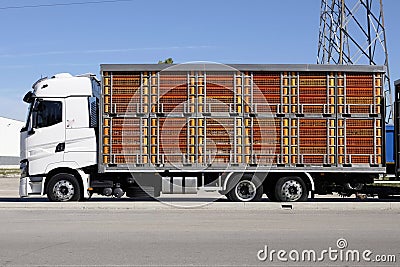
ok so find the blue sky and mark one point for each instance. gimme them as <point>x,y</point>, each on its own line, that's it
<point>43,41</point>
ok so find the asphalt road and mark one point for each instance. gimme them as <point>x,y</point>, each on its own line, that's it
<point>107,232</point>
<point>188,237</point>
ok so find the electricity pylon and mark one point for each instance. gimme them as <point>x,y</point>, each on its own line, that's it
<point>353,32</point>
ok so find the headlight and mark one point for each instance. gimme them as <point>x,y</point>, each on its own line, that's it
<point>24,168</point>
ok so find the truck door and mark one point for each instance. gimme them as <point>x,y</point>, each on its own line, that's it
<point>45,142</point>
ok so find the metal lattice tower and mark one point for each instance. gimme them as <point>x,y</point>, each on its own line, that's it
<point>353,32</point>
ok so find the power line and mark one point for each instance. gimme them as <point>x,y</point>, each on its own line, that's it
<point>64,4</point>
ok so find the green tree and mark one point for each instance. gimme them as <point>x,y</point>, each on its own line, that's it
<point>167,61</point>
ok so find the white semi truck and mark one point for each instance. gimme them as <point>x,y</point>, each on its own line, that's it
<point>287,131</point>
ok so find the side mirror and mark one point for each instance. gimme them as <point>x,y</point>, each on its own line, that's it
<point>31,131</point>
<point>28,98</point>
<point>24,129</point>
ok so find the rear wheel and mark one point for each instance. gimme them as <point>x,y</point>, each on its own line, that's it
<point>245,190</point>
<point>63,187</point>
<point>291,189</point>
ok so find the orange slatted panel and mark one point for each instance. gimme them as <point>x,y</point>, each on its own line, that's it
<point>359,81</point>
<point>314,159</point>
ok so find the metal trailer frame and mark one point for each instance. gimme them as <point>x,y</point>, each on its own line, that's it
<point>240,168</point>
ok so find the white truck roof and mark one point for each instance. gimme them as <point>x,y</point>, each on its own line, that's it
<point>63,85</point>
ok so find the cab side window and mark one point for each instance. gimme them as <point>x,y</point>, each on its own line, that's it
<point>47,113</point>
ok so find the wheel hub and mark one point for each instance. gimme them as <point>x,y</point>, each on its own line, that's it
<point>245,190</point>
<point>63,190</point>
<point>291,190</point>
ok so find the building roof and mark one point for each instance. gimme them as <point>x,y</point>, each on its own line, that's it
<point>4,119</point>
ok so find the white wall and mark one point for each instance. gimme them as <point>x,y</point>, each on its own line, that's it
<point>9,137</point>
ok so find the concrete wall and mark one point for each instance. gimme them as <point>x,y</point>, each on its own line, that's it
<point>9,141</point>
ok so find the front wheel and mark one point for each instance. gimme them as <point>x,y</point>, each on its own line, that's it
<point>291,189</point>
<point>63,187</point>
<point>245,190</point>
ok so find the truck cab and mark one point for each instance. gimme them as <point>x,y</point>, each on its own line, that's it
<point>59,134</point>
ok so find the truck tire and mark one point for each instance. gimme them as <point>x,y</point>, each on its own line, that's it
<point>291,189</point>
<point>245,190</point>
<point>63,187</point>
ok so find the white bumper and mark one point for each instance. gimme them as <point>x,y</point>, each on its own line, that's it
<point>30,186</point>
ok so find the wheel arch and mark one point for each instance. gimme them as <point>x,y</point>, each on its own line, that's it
<point>308,180</point>
<point>226,180</point>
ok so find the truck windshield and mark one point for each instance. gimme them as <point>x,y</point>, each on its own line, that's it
<point>28,118</point>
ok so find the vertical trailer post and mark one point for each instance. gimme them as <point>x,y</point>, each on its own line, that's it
<point>396,127</point>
